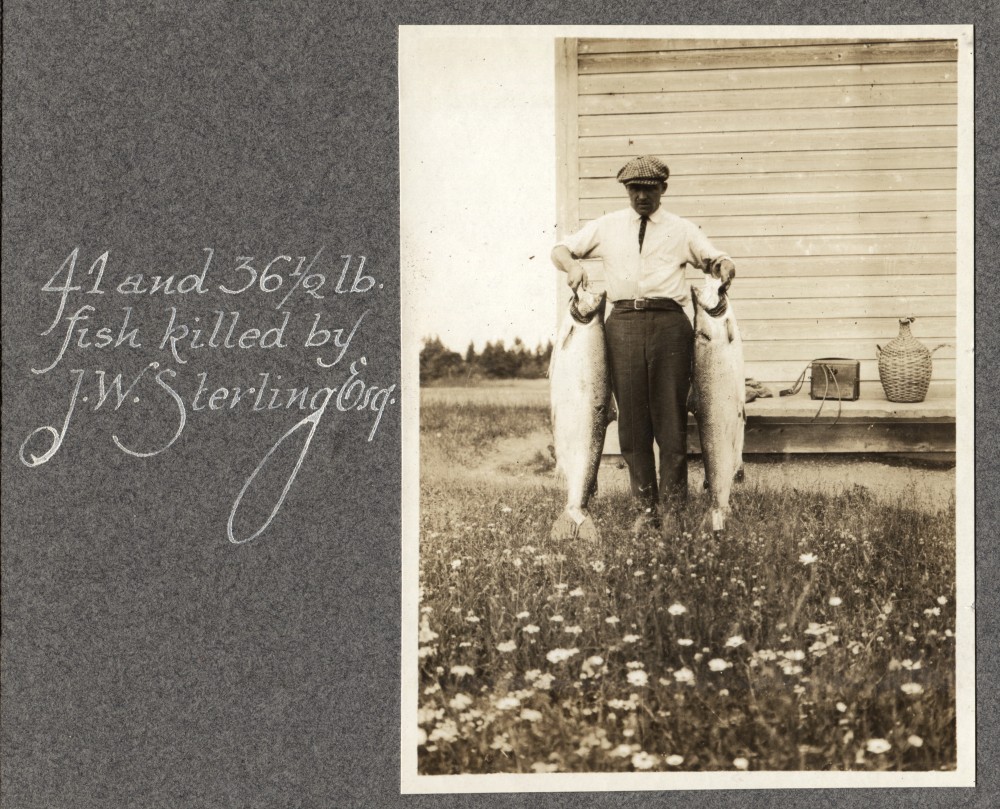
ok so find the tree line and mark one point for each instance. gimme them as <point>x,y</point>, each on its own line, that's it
<point>495,361</point>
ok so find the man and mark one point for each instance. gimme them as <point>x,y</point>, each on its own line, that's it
<point>650,338</point>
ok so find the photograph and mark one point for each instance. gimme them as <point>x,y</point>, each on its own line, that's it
<point>688,486</point>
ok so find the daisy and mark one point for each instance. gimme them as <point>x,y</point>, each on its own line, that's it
<point>878,746</point>
<point>643,760</point>
<point>638,677</point>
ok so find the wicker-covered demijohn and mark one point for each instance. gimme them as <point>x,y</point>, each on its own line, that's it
<point>904,366</point>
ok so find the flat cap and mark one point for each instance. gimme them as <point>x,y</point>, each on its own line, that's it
<point>644,170</point>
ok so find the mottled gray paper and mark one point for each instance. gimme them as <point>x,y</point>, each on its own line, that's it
<point>147,660</point>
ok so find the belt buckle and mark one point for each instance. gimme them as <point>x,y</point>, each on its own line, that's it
<point>640,303</point>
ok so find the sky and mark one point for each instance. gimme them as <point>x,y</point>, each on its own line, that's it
<point>477,195</point>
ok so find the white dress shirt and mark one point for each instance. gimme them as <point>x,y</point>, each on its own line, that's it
<point>668,244</point>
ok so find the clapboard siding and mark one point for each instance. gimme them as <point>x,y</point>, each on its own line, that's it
<point>843,286</point>
<point>792,182</point>
<point>794,224</point>
<point>696,206</point>
<point>764,269</point>
<point>827,169</point>
<point>600,127</point>
<point>747,101</point>
<point>697,165</point>
<point>802,351</point>
<point>596,45</point>
<point>769,140</point>
<point>813,328</point>
<point>755,78</point>
<point>777,55</point>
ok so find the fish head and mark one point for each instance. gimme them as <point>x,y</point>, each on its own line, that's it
<point>713,316</point>
<point>710,295</point>
<point>587,303</point>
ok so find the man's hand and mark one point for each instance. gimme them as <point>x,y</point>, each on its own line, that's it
<point>568,263</point>
<point>724,270</point>
<point>576,275</point>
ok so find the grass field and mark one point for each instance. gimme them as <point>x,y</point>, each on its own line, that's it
<point>817,634</point>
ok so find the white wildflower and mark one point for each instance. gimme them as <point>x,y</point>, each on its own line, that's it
<point>638,677</point>
<point>643,760</point>
<point>561,655</point>
<point>878,746</point>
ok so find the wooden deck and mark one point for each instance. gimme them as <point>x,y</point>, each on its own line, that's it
<point>790,425</point>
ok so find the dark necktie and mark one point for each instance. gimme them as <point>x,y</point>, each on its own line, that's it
<point>642,231</point>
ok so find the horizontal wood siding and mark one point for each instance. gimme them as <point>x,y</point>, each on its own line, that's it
<point>826,168</point>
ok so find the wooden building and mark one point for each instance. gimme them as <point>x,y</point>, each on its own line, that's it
<point>827,169</point>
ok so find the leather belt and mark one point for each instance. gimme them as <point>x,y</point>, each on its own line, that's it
<point>656,304</point>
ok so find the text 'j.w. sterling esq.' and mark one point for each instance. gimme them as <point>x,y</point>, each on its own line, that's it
<point>187,328</point>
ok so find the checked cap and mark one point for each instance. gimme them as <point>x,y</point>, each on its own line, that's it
<point>644,170</point>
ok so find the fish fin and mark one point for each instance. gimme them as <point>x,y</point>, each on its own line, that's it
<point>567,527</point>
<point>714,521</point>
<point>612,409</point>
<point>587,530</point>
<point>729,330</point>
<point>564,527</point>
<point>569,334</point>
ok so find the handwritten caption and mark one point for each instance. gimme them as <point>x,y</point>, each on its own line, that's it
<point>291,296</point>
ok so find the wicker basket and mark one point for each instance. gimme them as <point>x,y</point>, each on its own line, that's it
<point>904,366</point>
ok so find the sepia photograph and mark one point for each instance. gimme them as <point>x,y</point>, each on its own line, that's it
<point>688,487</point>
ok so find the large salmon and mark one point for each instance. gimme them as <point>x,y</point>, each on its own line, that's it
<point>719,393</point>
<point>580,384</point>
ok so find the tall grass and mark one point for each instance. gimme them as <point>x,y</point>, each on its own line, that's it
<point>464,430</point>
<point>816,634</point>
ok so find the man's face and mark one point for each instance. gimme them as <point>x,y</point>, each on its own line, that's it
<point>645,198</point>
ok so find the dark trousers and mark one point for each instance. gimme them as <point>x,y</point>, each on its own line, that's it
<point>650,353</point>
